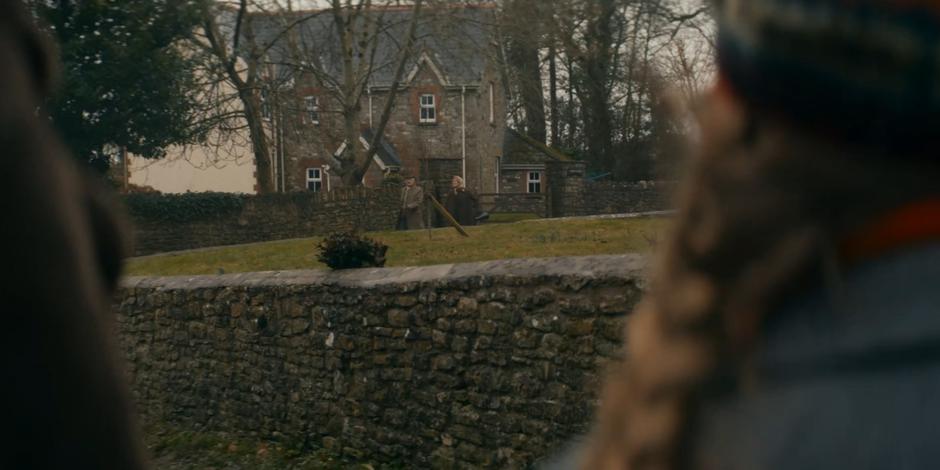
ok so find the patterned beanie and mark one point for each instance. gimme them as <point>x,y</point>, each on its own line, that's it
<point>865,70</point>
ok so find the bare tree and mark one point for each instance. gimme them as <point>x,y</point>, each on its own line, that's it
<point>359,31</point>
<point>523,44</point>
<point>237,58</point>
<point>260,48</point>
<point>604,63</point>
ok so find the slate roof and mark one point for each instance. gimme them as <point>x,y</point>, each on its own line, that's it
<point>520,149</point>
<point>386,151</point>
<point>457,39</point>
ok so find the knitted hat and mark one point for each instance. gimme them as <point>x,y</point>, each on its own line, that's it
<point>867,70</point>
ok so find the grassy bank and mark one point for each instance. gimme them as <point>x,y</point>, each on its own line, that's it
<point>171,448</point>
<point>532,238</point>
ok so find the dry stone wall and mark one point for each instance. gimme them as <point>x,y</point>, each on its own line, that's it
<point>493,364</point>
<point>265,218</point>
<point>611,197</point>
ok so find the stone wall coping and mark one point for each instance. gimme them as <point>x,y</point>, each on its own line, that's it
<point>626,215</point>
<point>598,266</point>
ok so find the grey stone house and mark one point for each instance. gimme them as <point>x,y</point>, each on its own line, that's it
<point>448,117</point>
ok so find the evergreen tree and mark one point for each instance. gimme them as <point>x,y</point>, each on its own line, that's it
<point>124,80</point>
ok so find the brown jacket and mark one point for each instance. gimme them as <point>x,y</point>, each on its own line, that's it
<point>412,200</point>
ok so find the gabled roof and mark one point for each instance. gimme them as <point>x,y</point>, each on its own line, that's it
<point>386,154</point>
<point>520,149</point>
<point>455,39</point>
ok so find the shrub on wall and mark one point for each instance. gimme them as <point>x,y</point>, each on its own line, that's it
<point>187,207</point>
<point>346,250</point>
<point>393,179</point>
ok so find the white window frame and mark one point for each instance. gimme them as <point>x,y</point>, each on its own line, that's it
<point>429,106</point>
<point>312,109</point>
<point>533,183</point>
<point>315,176</point>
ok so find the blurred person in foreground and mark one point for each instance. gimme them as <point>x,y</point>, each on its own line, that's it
<point>793,318</point>
<point>64,401</point>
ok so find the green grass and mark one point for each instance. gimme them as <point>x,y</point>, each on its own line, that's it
<point>508,217</point>
<point>527,239</point>
<point>175,449</point>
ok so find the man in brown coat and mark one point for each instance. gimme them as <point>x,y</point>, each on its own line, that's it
<point>64,401</point>
<point>412,201</point>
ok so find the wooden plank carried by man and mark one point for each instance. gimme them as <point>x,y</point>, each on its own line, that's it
<point>449,218</point>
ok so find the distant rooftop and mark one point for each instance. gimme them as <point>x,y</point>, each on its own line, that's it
<point>456,38</point>
<point>520,149</point>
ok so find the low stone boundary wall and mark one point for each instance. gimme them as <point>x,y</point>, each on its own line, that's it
<point>611,197</point>
<point>493,364</point>
<point>185,221</point>
<point>515,203</point>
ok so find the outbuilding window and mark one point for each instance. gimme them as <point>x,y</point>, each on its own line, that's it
<point>428,109</point>
<point>535,182</point>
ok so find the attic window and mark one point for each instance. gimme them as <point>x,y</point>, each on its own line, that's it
<point>312,109</point>
<point>427,109</point>
<point>535,182</point>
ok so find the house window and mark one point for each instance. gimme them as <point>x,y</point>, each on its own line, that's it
<point>492,104</point>
<point>312,109</point>
<point>265,105</point>
<point>535,182</point>
<point>428,110</point>
<point>314,179</point>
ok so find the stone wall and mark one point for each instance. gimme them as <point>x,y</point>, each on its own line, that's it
<point>492,364</point>
<point>567,194</point>
<point>518,203</point>
<point>612,197</point>
<point>264,218</point>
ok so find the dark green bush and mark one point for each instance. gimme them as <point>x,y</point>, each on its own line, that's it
<point>194,207</point>
<point>347,250</point>
<point>393,179</point>
<point>187,207</point>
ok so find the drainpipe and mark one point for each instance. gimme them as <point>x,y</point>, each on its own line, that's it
<point>326,176</point>
<point>274,161</point>
<point>463,132</point>
<point>280,131</point>
<point>369,92</point>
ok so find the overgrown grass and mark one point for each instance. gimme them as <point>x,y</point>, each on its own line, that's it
<point>174,449</point>
<point>535,238</point>
<point>508,217</point>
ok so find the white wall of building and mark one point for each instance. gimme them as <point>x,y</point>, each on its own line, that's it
<point>197,169</point>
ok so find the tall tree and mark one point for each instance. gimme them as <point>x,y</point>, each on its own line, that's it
<point>125,83</point>
<point>359,32</point>
<point>523,45</point>
<point>238,59</point>
<point>263,65</point>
